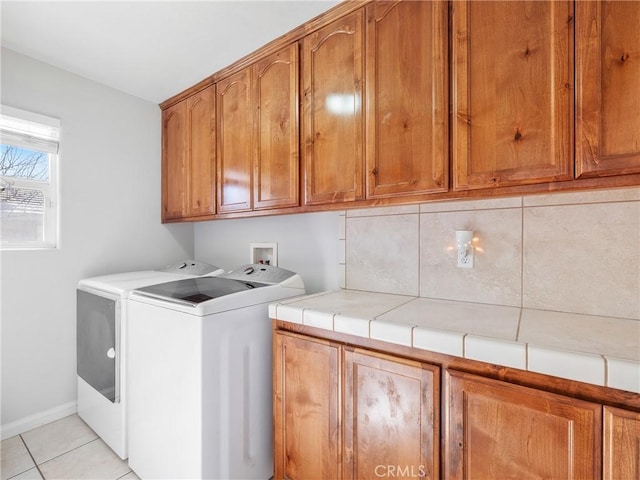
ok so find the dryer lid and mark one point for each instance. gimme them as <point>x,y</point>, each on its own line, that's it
<point>192,291</point>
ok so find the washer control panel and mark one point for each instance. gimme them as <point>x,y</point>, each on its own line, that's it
<point>260,273</point>
<point>191,267</point>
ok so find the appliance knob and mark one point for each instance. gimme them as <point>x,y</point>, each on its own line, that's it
<point>111,353</point>
<point>249,270</point>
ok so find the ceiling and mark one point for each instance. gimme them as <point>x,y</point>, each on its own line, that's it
<point>150,49</point>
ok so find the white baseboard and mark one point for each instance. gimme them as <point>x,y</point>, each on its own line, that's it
<point>36,420</point>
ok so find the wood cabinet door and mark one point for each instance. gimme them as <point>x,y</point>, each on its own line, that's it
<point>332,123</point>
<point>276,134</point>
<point>234,139</point>
<point>607,88</point>
<point>621,444</point>
<point>391,417</point>
<point>174,153</point>
<point>495,429</point>
<point>407,144</point>
<point>307,415</point>
<point>512,97</point>
<point>201,152</point>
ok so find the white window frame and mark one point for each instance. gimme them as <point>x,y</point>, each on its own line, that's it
<point>39,133</point>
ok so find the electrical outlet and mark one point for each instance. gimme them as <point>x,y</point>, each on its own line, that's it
<point>465,259</point>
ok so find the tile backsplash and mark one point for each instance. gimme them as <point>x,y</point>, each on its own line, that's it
<point>575,252</point>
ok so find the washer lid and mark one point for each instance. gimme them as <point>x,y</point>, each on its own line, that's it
<point>192,291</point>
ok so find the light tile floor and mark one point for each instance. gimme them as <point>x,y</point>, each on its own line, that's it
<point>64,449</point>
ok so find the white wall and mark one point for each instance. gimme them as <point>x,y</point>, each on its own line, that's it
<point>110,222</point>
<point>307,244</point>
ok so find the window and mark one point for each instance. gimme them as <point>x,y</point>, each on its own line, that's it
<point>28,179</point>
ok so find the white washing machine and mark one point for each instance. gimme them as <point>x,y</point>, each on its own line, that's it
<point>200,371</point>
<point>102,345</point>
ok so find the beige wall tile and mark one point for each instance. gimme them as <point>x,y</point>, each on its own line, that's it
<point>583,259</point>
<point>376,211</point>
<point>342,222</point>
<point>382,254</point>
<point>588,196</point>
<point>341,251</point>
<point>496,275</point>
<point>482,204</point>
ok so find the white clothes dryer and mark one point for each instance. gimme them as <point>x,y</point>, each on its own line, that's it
<point>101,341</point>
<point>200,375</point>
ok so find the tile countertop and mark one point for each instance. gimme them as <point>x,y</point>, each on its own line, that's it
<point>598,350</point>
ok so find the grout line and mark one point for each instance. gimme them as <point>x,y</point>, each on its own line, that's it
<point>522,241</point>
<point>419,260</point>
<point>569,204</point>
<point>131,471</point>
<point>30,455</point>
<point>69,451</point>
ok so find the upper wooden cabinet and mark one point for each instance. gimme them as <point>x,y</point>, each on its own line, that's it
<point>391,417</point>
<point>399,101</point>
<point>512,74</point>
<point>276,134</point>
<point>234,140</point>
<point>188,157</point>
<point>607,88</point>
<point>174,152</point>
<point>621,444</point>
<point>258,135</point>
<point>407,144</point>
<point>332,64</point>
<point>496,429</point>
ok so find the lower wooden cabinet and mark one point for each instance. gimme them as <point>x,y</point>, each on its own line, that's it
<point>495,429</point>
<point>390,425</point>
<point>621,444</point>
<point>391,421</point>
<point>306,408</point>
<point>344,411</point>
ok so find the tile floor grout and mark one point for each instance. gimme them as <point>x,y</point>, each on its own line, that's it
<point>59,460</point>
<point>32,459</point>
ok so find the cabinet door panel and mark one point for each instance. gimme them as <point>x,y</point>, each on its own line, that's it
<point>407,147</point>
<point>391,417</point>
<point>201,153</point>
<point>512,92</point>
<point>332,71</point>
<point>307,419</point>
<point>234,142</point>
<point>276,159</point>
<point>174,151</point>
<point>621,444</point>
<point>608,88</point>
<point>499,430</point>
